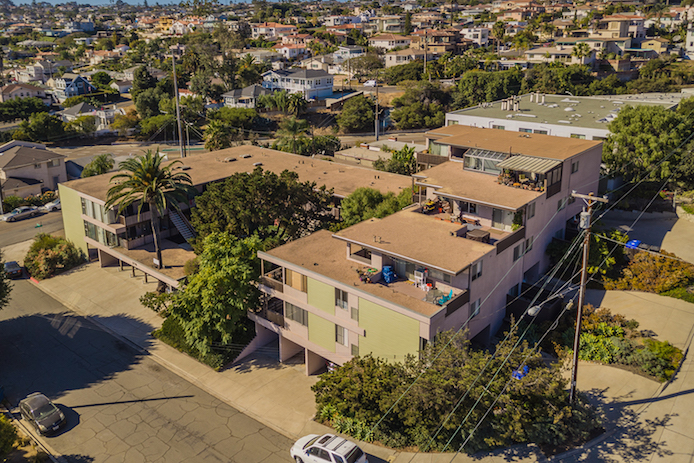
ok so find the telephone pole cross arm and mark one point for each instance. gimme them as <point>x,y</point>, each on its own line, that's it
<point>584,223</point>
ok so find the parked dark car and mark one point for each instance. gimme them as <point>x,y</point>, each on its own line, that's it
<point>13,269</point>
<point>42,413</point>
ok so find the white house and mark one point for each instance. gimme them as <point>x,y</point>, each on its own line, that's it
<point>389,41</point>
<point>478,35</point>
<point>244,97</point>
<point>311,83</point>
<point>291,51</point>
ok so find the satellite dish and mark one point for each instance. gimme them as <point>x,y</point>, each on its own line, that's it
<point>676,38</point>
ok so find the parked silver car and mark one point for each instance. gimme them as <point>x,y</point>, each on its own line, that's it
<point>21,212</point>
<point>50,207</point>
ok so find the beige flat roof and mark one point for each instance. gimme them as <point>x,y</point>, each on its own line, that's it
<point>213,166</point>
<point>506,141</point>
<point>322,254</point>
<point>476,187</point>
<point>418,237</point>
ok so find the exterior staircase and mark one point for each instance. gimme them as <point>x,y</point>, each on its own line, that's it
<point>182,225</point>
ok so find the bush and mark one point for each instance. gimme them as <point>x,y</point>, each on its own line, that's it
<point>653,274</point>
<point>680,293</point>
<point>8,436</point>
<point>660,359</point>
<point>50,255</point>
<point>172,333</point>
<point>157,302</point>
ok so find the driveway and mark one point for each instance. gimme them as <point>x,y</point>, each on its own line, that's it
<point>672,234</point>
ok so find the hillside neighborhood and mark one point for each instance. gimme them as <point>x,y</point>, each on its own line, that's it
<point>412,231</point>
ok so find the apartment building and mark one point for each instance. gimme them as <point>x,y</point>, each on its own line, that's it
<point>478,35</point>
<point>389,41</point>
<point>558,115</point>
<point>479,228</point>
<point>311,83</point>
<point>125,239</point>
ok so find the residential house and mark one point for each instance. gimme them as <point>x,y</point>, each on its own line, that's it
<point>69,85</point>
<point>347,52</point>
<point>478,35</point>
<point>297,39</point>
<point>124,238</point>
<point>29,168</point>
<point>611,27</point>
<point>407,55</point>
<point>618,46</point>
<point>270,30</point>
<point>12,91</point>
<point>388,24</point>
<point>338,20</point>
<point>389,41</point>
<point>655,45</point>
<point>182,26</point>
<point>76,111</point>
<point>437,42</point>
<point>559,54</point>
<point>99,56</point>
<point>123,86</point>
<point>244,97</point>
<point>313,84</point>
<point>517,14</point>
<point>290,52</point>
<point>456,265</point>
<point>129,74</point>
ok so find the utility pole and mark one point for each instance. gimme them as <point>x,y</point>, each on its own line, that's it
<point>178,110</point>
<point>376,123</point>
<point>585,223</point>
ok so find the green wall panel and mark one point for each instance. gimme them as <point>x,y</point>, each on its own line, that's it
<point>389,334</point>
<point>72,216</point>
<point>321,332</point>
<point>321,296</point>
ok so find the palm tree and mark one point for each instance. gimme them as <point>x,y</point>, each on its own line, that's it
<point>581,50</point>
<point>144,180</point>
<point>218,135</point>
<point>247,61</point>
<point>297,104</point>
<point>282,100</point>
<point>266,102</point>
<point>292,134</point>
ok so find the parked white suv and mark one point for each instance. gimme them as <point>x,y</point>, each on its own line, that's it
<point>370,83</point>
<point>326,448</point>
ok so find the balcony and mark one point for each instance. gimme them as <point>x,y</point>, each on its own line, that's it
<point>273,280</point>
<point>272,310</point>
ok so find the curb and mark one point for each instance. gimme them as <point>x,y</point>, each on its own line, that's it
<point>175,369</point>
<point>54,456</point>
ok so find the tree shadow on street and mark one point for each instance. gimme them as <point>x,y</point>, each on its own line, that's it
<point>55,353</point>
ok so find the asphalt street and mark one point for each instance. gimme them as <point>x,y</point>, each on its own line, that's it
<point>26,229</point>
<point>120,405</point>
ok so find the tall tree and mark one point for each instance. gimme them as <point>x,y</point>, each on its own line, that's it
<point>644,141</point>
<point>101,164</point>
<point>292,134</point>
<point>213,306</point>
<point>275,207</point>
<point>218,135</point>
<point>142,80</point>
<point>144,180</point>
<point>5,286</point>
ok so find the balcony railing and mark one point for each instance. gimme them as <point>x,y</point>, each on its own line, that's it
<point>457,302</point>
<point>508,241</point>
<point>272,283</point>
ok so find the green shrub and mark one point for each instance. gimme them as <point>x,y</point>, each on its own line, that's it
<point>660,359</point>
<point>653,273</point>
<point>172,334</point>
<point>680,293</point>
<point>12,202</point>
<point>155,301</point>
<point>51,255</point>
<point>597,348</point>
<point>8,436</point>
<point>688,208</point>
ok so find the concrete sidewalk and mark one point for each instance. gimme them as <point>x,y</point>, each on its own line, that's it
<point>641,419</point>
<point>275,394</point>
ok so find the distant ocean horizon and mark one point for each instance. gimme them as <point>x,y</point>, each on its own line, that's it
<point>131,2</point>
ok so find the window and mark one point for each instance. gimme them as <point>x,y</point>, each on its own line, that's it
<point>500,127</point>
<point>561,204</point>
<point>297,314</point>
<point>319,453</point>
<point>452,122</point>
<point>439,275</point>
<point>341,335</point>
<point>518,251</point>
<point>529,244</point>
<point>574,167</point>
<point>37,166</point>
<point>55,163</point>
<point>296,280</point>
<point>355,350</point>
<point>541,132</point>
<point>531,210</point>
<point>580,136</point>
<point>341,298</point>
<point>355,314</point>
<point>476,270</point>
<point>525,130</point>
<point>475,308</point>
<point>554,176</point>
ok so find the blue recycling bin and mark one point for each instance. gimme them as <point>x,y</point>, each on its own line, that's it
<point>388,274</point>
<point>633,244</point>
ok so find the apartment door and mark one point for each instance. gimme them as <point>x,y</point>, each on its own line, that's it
<point>497,218</point>
<point>404,269</point>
